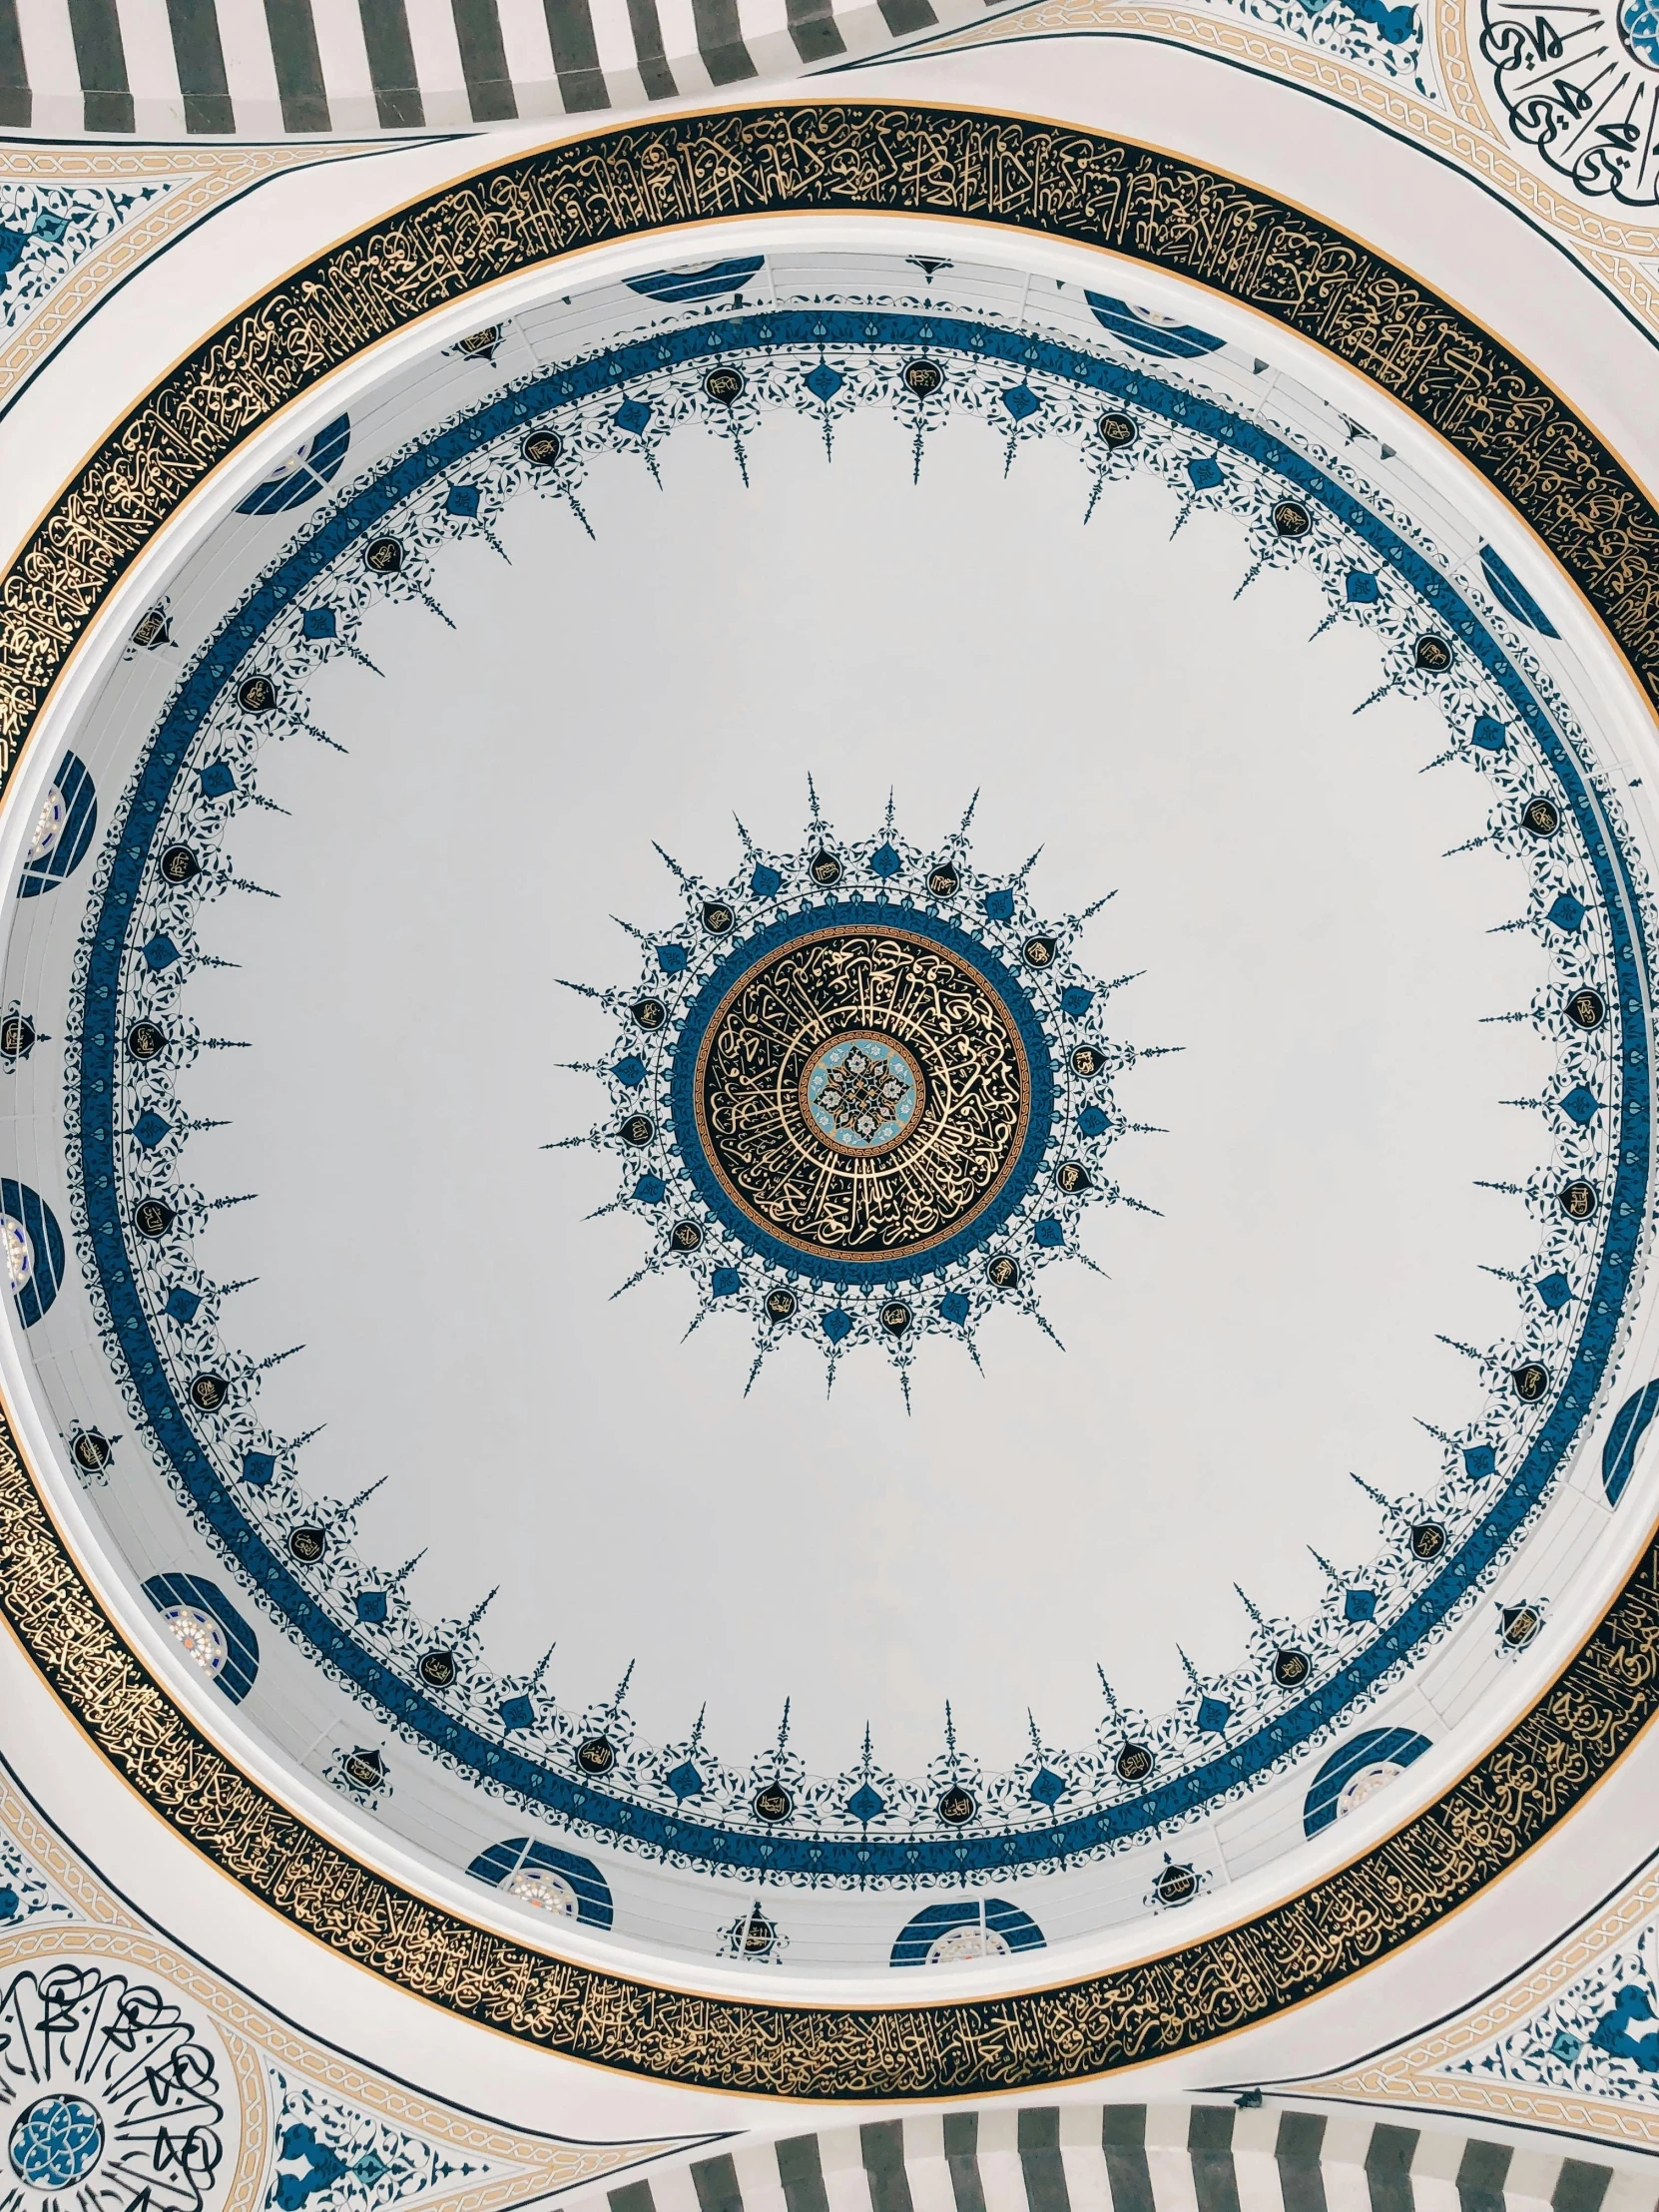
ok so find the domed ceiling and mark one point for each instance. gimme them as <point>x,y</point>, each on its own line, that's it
<point>827,1142</point>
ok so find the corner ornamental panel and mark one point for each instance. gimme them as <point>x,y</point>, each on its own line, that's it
<point>1026,176</point>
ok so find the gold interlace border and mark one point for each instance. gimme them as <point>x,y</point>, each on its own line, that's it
<point>1028,177</point>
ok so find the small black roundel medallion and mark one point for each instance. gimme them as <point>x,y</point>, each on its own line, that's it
<point>385,555</point>
<point>145,1039</point>
<point>179,864</point>
<point>638,1129</point>
<point>957,1805</point>
<point>1291,518</point>
<point>1116,430</point>
<point>922,378</point>
<point>774,1803</point>
<point>542,449</point>
<point>209,1391</point>
<point>438,1669</point>
<point>256,695</point>
<point>1174,1885</point>
<point>1586,1009</point>
<point>1433,655</point>
<point>1427,1540</point>
<point>1541,818</point>
<point>1577,1199</point>
<point>1133,1763</point>
<point>723,386</point>
<point>307,1544</point>
<point>153,1217</point>
<point>597,1755</point>
<point>1530,1381</point>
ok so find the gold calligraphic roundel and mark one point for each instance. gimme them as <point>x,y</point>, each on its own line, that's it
<point>862,1092</point>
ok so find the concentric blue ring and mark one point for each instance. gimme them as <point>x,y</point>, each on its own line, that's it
<point>855,914</point>
<point>679,1833</point>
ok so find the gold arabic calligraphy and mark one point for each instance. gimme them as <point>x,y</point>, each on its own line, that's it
<point>971,1110</point>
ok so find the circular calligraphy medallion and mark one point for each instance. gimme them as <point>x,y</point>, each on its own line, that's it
<point>861,1091</point>
<point>1578,1200</point>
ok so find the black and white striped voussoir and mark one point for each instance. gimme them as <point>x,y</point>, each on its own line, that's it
<point>1135,2158</point>
<point>265,68</point>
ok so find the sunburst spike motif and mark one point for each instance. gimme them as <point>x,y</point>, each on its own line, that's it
<point>861,1094</point>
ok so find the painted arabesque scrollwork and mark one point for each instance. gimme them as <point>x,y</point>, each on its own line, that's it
<point>827,157</point>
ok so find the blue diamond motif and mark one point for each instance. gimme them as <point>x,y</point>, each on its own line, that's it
<point>216,780</point>
<point>516,1712</point>
<point>1075,1000</point>
<point>1566,2047</point>
<point>1093,1121</point>
<point>371,1607</point>
<point>257,1468</point>
<point>671,958</point>
<point>630,1071</point>
<point>1047,1787</point>
<point>1021,402</point>
<point>1481,1462</point>
<point>651,1190</point>
<point>50,226</point>
<point>823,383</point>
<point>1050,1232</point>
<point>1362,590</point>
<point>1214,1713</point>
<point>317,621</point>
<point>838,1326</point>
<point>150,1129</point>
<point>685,1781</point>
<point>182,1304</point>
<point>1567,912</point>
<point>161,953</point>
<point>1360,1605</point>
<point>765,881</point>
<point>1580,1105</point>
<point>370,2168</point>
<point>1491,736</point>
<point>999,904</point>
<point>463,500</point>
<point>953,1307</point>
<point>864,1803</point>
<point>1204,473</point>
<point>884,862</point>
<point>724,1283</point>
<point>1555,1290</point>
<point>633,415</point>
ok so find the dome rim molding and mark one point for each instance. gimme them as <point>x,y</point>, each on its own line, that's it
<point>284,343</point>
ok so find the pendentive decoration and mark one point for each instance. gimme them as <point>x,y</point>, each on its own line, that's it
<point>863,1093</point>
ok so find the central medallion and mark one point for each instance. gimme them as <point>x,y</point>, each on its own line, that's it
<point>861,1091</point>
<point>861,1094</point>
